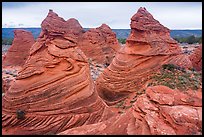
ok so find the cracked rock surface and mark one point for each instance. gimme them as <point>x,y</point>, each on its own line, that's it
<point>161,111</point>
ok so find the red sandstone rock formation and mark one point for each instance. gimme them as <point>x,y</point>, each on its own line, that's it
<point>196,58</point>
<point>6,83</point>
<point>57,26</point>
<point>4,86</point>
<point>147,48</point>
<point>54,90</point>
<point>16,55</point>
<point>161,111</point>
<point>19,50</point>
<point>100,44</point>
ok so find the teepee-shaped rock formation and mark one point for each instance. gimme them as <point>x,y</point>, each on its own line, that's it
<point>147,48</point>
<point>100,44</point>
<point>54,91</point>
<point>57,26</point>
<point>16,56</point>
<point>19,50</point>
<point>196,58</point>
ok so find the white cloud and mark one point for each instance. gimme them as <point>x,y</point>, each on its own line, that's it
<point>115,14</point>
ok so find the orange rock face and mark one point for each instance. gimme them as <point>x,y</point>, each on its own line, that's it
<point>19,50</point>
<point>196,58</point>
<point>147,48</point>
<point>100,44</point>
<point>161,111</point>
<point>54,91</point>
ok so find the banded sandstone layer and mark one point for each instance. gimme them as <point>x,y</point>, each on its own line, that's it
<point>147,48</point>
<point>53,91</point>
<point>161,111</point>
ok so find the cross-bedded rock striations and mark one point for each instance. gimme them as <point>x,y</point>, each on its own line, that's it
<point>147,48</point>
<point>161,111</point>
<point>100,44</point>
<point>19,50</point>
<point>53,91</point>
<point>196,58</point>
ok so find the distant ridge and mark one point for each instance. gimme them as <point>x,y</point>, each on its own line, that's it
<point>120,33</point>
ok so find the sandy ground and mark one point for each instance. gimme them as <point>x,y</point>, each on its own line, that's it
<point>5,48</point>
<point>188,48</point>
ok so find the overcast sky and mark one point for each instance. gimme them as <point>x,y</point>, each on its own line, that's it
<point>174,15</point>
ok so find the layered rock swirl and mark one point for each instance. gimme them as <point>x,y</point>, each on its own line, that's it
<point>196,58</point>
<point>19,50</point>
<point>100,44</point>
<point>147,48</point>
<point>161,111</point>
<point>53,91</point>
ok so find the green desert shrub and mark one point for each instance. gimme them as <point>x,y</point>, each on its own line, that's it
<point>120,104</point>
<point>190,40</point>
<point>122,40</point>
<point>170,67</point>
<point>179,78</point>
<point>7,41</point>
